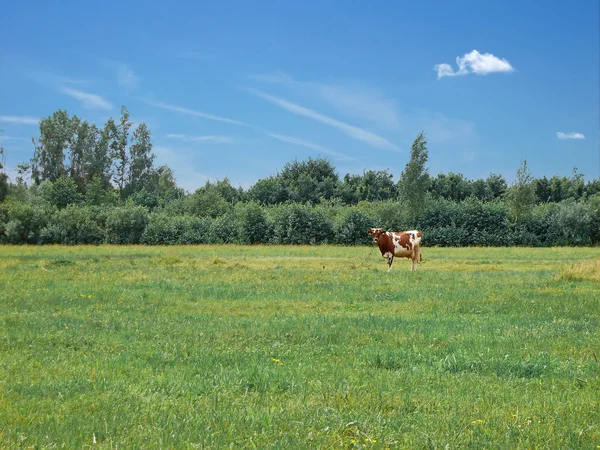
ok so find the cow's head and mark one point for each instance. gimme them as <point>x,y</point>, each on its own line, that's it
<point>376,233</point>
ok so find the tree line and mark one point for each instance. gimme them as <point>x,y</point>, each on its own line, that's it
<point>100,185</point>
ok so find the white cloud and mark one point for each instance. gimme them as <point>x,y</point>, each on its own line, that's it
<point>354,132</point>
<point>561,135</point>
<point>352,99</point>
<point>90,101</point>
<point>20,120</point>
<point>191,112</point>
<point>311,145</point>
<point>474,62</point>
<point>214,139</point>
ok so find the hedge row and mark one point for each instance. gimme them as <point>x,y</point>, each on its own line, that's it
<point>444,223</point>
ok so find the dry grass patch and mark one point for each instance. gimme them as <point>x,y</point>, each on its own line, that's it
<point>582,271</point>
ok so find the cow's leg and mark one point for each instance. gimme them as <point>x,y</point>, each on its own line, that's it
<point>390,261</point>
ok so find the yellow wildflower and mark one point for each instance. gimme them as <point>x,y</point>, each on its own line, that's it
<point>477,422</point>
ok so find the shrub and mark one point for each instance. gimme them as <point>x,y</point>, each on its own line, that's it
<point>126,224</point>
<point>74,225</point>
<point>300,224</point>
<point>352,226</point>
<point>25,221</point>
<point>163,229</point>
<point>253,224</point>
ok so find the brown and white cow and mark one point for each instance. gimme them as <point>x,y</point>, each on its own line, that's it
<point>403,244</point>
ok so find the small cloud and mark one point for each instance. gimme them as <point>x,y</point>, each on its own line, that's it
<point>127,77</point>
<point>561,135</point>
<point>89,101</point>
<point>474,62</point>
<point>214,139</point>
<point>191,112</point>
<point>311,145</point>
<point>20,120</point>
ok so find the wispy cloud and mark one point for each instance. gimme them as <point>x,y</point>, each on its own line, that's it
<point>214,139</point>
<point>354,132</point>
<point>124,73</point>
<point>474,62</point>
<point>127,77</point>
<point>20,120</point>
<point>311,145</point>
<point>561,135</point>
<point>52,79</point>
<point>88,100</point>
<point>353,99</point>
<point>192,112</point>
<point>13,138</point>
<point>198,56</point>
<point>275,77</point>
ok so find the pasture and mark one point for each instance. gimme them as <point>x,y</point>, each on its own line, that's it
<point>298,347</point>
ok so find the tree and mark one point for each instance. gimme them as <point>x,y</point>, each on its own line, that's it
<point>309,181</point>
<point>268,191</point>
<point>56,134</point>
<point>3,176</point>
<point>414,179</point>
<point>119,138</point>
<point>496,185</point>
<point>140,159</point>
<point>521,195</point>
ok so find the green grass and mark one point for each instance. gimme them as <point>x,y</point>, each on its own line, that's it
<point>298,347</point>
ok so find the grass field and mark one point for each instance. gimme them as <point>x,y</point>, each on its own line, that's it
<point>298,347</point>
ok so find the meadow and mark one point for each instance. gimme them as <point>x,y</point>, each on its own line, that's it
<point>298,347</point>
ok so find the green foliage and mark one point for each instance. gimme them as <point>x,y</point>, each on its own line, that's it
<point>225,229</point>
<point>414,179</point>
<point>300,224</point>
<point>352,226</point>
<point>75,225</point>
<point>62,192</point>
<point>24,221</point>
<point>126,224</point>
<point>309,181</point>
<point>163,229</point>
<point>268,191</point>
<point>207,202</point>
<point>520,197</point>
<point>253,223</point>
<point>140,160</point>
<point>98,195</point>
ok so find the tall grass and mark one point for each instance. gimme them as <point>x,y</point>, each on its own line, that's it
<point>298,347</point>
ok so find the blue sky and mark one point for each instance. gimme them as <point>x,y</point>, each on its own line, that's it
<point>237,89</point>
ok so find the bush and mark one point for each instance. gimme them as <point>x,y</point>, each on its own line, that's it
<point>300,224</point>
<point>352,226</point>
<point>163,229</point>
<point>254,227</point>
<point>24,221</point>
<point>571,223</point>
<point>126,224</point>
<point>224,229</point>
<point>74,225</point>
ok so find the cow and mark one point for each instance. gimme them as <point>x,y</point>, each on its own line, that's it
<point>403,244</point>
